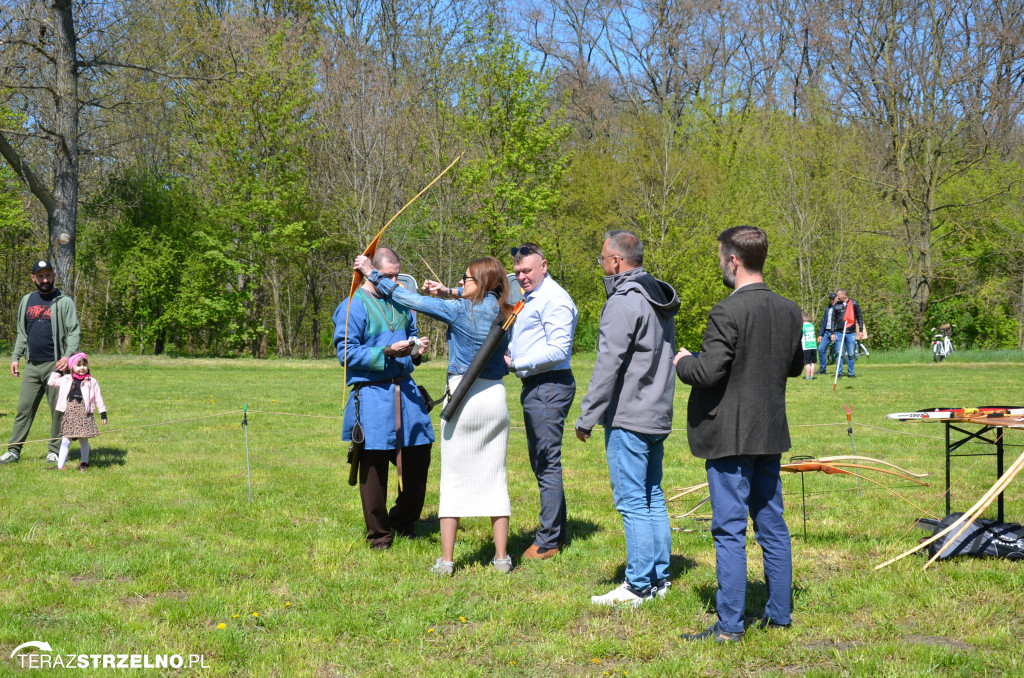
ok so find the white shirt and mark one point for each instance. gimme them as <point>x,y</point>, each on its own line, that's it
<point>542,334</point>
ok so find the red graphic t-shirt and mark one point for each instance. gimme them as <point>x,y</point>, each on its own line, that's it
<point>40,329</point>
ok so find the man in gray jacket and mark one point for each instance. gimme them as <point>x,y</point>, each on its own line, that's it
<point>48,335</point>
<point>736,421</point>
<point>631,394</point>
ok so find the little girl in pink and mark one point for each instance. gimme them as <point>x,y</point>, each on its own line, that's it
<point>79,397</point>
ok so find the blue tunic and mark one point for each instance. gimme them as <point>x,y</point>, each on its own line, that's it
<point>369,332</point>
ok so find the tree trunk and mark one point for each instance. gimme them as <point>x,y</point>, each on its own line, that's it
<point>64,215</point>
<point>283,348</point>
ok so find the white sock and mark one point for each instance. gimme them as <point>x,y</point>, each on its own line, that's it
<point>62,456</point>
<point>84,443</point>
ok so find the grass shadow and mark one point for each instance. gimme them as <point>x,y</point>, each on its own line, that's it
<point>102,457</point>
<point>484,552</point>
<point>427,526</point>
<point>757,598</point>
<point>677,566</point>
<point>576,530</point>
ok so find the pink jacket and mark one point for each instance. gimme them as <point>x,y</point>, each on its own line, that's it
<point>91,395</point>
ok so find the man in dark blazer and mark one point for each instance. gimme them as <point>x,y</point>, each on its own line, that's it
<point>736,421</point>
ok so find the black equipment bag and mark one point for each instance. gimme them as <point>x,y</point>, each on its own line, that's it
<point>983,538</point>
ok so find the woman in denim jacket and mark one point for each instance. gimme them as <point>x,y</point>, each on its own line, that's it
<point>474,442</point>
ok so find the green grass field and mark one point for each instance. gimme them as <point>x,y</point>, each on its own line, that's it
<point>158,545</point>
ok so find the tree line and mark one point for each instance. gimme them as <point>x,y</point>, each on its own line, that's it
<point>203,172</point>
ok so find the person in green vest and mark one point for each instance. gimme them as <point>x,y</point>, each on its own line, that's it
<point>810,343</point>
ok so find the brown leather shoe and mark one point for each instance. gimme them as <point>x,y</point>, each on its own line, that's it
<point>537,553</point>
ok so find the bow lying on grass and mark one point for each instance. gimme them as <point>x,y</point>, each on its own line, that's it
<point>831,465</point>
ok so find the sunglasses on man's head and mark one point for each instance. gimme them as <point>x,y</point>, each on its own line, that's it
<point>523,251</point>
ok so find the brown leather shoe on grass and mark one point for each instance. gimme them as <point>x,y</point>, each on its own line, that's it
<point>537,553</point>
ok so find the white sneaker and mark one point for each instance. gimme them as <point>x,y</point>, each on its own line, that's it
<point>660,588</point>
<point>51,458</point>
<point>503,565</point>
<point>443,567</point>
<point>624,595</point>
<point>9,458</point>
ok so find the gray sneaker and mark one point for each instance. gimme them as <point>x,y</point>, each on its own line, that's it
<point>51,458</point>
<point>443,567</point>
<point>10,458</point>
<point>503,565</point>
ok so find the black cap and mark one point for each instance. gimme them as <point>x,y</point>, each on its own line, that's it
<point>831,295</point>
<point>40,265</point>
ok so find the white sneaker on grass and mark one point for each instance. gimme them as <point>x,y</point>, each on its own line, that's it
<point>9,458</point>
<point>442,567</point>
<point>623,596</point>
<point>51,458</point>
<point>503,565</point>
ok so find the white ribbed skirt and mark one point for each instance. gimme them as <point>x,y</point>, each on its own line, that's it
<point>473,446</point>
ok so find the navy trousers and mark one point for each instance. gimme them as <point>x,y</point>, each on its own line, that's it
<point>546,399</point>
<point>740,486</point>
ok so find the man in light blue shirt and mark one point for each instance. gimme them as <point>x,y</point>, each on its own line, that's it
<point>539,355</point>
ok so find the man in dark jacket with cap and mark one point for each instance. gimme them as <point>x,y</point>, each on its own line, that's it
<point>631,394</point>
<point>830,323</point>
<point>736,421</point>
<point>48,335</point>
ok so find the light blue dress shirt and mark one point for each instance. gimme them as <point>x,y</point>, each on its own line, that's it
<point>543,332</point>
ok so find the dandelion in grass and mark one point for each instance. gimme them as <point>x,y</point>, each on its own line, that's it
<point>222,625</point>
<point>235,616</point>
<point>596,660</point>
<point>256,614</point>
<point>462,619</point>
<point>287,604</point>
<point>430,630</point>
<point>394,640</point>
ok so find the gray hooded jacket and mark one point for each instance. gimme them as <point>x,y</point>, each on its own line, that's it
<point>634,380</point>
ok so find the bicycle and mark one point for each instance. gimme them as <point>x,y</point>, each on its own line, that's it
<point>830,352</point>
<point>942,346</point>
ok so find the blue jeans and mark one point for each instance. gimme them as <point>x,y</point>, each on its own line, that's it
<point>742,485</point>
<point>826,339</point>
<point>634,467</point>
<point>848,344</point>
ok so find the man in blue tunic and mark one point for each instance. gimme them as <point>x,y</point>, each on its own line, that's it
<point>385,403</point>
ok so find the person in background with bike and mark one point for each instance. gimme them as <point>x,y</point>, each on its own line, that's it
<point>942,346</point>
<point>829,323</point>
<point>849,324</point>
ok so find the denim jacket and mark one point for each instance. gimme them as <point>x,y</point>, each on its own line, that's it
<point>468,324</point>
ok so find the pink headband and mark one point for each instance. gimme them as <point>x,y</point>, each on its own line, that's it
<point>75,358</point>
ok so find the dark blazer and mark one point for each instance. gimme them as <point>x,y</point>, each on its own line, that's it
<point>738,401</point>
